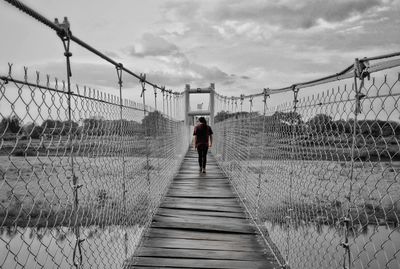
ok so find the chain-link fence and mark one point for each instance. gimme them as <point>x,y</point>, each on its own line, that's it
<point>81,173</point>
<point>317,166</point>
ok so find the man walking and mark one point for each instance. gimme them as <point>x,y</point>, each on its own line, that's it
<point>202,141</point>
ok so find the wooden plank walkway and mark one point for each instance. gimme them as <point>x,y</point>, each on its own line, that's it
<point>200,224</point>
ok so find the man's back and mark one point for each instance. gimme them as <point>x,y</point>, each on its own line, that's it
<point>202,141</point>
<point>202,132</point>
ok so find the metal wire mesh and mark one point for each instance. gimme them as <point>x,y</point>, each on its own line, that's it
<point>79,189</point>
<point>319,170</point>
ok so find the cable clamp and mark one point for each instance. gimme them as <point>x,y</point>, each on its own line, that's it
<point>295,90</point>
<point>361,69</point>
<point>77,186</point>
<point>65,32</point>
<point>143,83</point>
<point>119,68</point>
<point>345,245</point>
<point>267,94</point>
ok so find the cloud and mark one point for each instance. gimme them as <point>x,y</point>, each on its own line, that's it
<point>289,14</point>
<point>184,71</point>
<point>174,66</point>
<point>152,45</point>
<point>100,75</point>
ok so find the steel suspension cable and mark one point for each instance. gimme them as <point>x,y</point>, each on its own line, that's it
<point>62,31</point>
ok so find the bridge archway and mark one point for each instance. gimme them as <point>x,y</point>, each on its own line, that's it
<point>190,114</point>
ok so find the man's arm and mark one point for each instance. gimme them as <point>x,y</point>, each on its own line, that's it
<point>211,141</point>
<point>194,137</point>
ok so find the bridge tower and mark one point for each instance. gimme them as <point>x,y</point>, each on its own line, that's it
<point>210,113</point>
<point>190,114</point>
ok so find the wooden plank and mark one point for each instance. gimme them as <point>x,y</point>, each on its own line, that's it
<point>181,243</point>
<point>200,176</point>
<point>203,188</point>
<point>132,266</point>
<point>205,227</point>
<point>201,183</point>
<point>194,169</point>
<point>199,194</point>
<point>183,212</point>
<point>202,207</point>
<point>201,219</point>
<point>235,224</point>
<point>199,235</point>
<point>208,201</point>
<point>200,263</point>
<point>201,253</point>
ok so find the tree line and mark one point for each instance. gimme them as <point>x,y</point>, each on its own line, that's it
<point>90,126</point>
<point>321,123</point>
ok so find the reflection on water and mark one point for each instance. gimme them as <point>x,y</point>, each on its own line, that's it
<point>312,246</point>
<point>53,248</point>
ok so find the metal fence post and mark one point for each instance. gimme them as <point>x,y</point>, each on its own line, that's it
<point>146,134</point>
<point>260,172</point>
<point>249,122</point>
<point>289,215</point>
<point>119,74</point>
<point>66,40</point>
<point>359,73</point>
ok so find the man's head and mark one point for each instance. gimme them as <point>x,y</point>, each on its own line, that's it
<point>202,120</point>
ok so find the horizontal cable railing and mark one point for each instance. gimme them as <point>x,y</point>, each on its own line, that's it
<point>317,166</point>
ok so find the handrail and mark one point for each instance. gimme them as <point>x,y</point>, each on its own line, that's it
<point>344,74</point>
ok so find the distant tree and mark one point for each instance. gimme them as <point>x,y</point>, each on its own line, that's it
<point>378,128</point>
<point>222,115</point>
<point>153,122</point>
<point>321,123</point>
<point>34,131</point>
<point>51,126</point>
<point>289,118</point>
<point>57,127</point>
<point>94,126</point>
<point>10,124</point>
<point>342,126</point>
<point>69,128</point>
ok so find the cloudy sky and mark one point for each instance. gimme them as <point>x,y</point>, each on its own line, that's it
<point>241,46</point>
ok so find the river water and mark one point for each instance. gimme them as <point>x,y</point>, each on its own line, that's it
<point>312,246</point>
<point>53,248</point>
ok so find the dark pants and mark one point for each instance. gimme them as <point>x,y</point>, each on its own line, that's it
<point>202,150</point>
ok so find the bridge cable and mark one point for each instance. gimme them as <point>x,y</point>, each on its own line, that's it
<point>61,31</point>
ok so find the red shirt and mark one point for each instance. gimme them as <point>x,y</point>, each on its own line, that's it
<point>202,132</point>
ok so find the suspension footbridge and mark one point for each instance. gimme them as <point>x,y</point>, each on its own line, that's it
<point>304,176</point>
